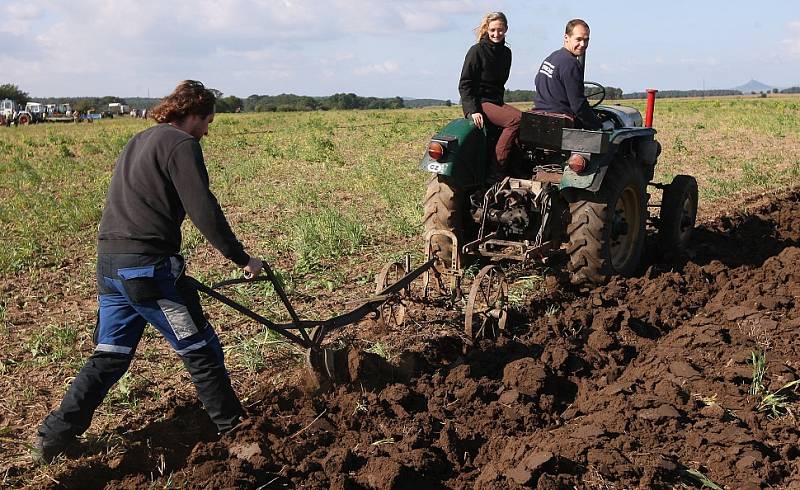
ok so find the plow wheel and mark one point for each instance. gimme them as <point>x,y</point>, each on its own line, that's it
<point>487,304</point>
<point>678,214</point>
<point>392,312</point>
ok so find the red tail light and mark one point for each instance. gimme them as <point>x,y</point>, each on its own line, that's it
<point>436,150</point>
<point>576,163</point>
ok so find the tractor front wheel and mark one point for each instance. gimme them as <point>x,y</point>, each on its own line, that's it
<point>607,229</point>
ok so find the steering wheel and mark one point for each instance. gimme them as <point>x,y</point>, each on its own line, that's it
<point>591,89</point>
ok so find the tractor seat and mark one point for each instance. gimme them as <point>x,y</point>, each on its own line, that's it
<point>539,129</point>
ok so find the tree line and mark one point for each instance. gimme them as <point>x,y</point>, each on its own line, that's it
<point>342,101</point>
<point>292,102</point>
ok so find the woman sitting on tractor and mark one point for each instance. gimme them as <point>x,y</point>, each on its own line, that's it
<point>482,85</point>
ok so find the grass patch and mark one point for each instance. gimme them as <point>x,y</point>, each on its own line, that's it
<point>381,349</point>
<point>521,289</point>
<point>125,394</point>
<point>323,235</point>
<point>57,343</point>
<point>252,352</point>
<point>780,402</point>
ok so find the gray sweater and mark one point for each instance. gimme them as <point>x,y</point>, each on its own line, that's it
<point>159,178</point>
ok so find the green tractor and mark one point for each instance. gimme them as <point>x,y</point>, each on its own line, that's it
<point>578,190</point>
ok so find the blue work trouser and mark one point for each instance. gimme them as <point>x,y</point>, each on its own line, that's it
<point>135,290</point>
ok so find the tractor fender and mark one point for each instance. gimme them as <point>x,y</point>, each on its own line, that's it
<point>642,143</point>
<point>465,157</point>
<point>592,177</point>
<point>624,134</point>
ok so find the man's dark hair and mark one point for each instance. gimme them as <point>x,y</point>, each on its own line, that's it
<point>575,22</point>
<point>189,98</point>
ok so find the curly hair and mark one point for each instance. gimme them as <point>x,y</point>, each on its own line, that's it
<point>482,29</point>
<point>190,97</point>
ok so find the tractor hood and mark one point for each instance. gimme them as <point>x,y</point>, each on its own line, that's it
<point>629,117</point>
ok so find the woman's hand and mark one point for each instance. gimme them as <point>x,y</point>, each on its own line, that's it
<point>477,118</point>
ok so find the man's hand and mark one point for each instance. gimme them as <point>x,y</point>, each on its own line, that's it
<point>477,118</point>
<point>253,268</point>
<point>608,125</point>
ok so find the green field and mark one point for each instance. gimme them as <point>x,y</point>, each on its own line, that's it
<point>316,186</point>
<point>326,197</point>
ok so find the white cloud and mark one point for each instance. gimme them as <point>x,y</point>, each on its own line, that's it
<point>384,68</point>
<point>792,44</point>
<point>19,17</point>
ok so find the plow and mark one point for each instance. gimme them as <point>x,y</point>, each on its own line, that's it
<point>396,285</point>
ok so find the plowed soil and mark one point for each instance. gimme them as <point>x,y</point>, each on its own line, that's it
<point>641,383</point>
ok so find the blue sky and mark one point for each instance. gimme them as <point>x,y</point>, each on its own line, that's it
<point>405,48</point>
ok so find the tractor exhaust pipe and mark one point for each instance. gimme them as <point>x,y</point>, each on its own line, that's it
<point>651,104</point>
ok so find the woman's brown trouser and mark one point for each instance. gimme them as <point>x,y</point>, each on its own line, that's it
<point>508,118</point>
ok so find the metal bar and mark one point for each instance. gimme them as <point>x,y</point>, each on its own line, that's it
<point>303,342</point>
<point>368,305</point>
<point>285,299</point>
<point>469,247</point>
<point>352,316</point>
<point>297,324</point>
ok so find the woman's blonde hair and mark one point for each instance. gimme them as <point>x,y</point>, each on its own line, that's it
<point>482,29</point>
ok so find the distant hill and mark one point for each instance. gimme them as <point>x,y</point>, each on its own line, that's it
<point>754,86</point>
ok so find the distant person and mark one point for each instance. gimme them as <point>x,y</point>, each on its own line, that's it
<point>559,82</point>
<point>482,85</point>
<point>158,180</point>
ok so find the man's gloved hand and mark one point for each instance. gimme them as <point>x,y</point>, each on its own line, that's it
<point>253,268</point>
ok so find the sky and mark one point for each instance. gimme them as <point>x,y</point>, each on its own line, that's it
<point>406,48</point>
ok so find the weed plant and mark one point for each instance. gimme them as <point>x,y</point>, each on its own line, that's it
<point>759,360</point>
<point>780,402</point>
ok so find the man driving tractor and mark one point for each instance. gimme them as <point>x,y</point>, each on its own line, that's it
<point>559,82</point>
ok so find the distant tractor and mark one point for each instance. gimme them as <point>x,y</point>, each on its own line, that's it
<point>37,111</point>
<point>118,108</point>
<point>580,191</point>
<point>13,113</point>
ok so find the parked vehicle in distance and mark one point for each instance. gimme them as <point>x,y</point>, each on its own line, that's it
<point>118,108</point>
<point>13,113</point>
<point>37,110</point>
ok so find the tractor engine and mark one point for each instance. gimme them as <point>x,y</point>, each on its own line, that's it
<point>509,211</point>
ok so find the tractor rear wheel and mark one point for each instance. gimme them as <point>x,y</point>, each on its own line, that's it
<point>444,210</point>
<point>678,214</point>
<point>607,229</point>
